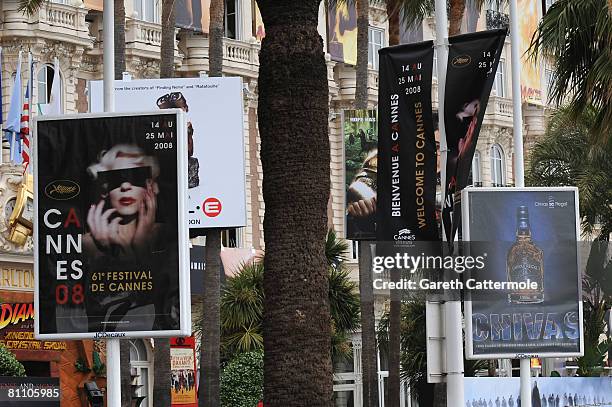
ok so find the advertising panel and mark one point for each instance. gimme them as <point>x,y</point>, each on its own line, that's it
<point>472,63</point>
<point>529,238</point>
<point>360,163</point>
<point>528,19</point>
<point>17,329</point>
<point>406,196</point>
<point>110,247</point>
<point>213,107</point>
<point>183,369</point>
<point>545,391</point>
<point>342,32</point>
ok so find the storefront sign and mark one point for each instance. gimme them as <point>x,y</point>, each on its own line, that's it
<point>112,259</point>
<point>17,329</point>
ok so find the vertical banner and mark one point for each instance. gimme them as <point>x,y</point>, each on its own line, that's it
<point>183,369</point>
<point>526,302</point>
<point>472,63</point>
<point>110,247</point>
<point>360,160</point>
<point>406,145</point>
<point>192,14</point>
<point>342,32</point>
<point>528,19</point>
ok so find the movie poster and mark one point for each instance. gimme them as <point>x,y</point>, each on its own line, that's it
<point>342,32</point>
<point>545,391</point>
<point>472,63</point>
<point>529,239</point>
<point>215,136</point>
<point>406,199</point>
<point>193,14</point>
<point>183,369</point>
<point>360,158</point>
<point>111,239</point>
<point>528,19</point>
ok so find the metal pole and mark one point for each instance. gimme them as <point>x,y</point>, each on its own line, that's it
<point>519,172</point>
<point>452,309</point>
<point>525,382</point>
<point>113,371</point>
<point>517,119</point>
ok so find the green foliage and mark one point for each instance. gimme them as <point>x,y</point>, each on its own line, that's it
<point>566,156</point>
<point>81,366</point>
<point>242,380</point>
<point>576,35</point>
<point>98,367</point>
<point>9,365</point>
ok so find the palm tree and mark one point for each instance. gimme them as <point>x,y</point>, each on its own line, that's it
<point>586,165</point>
<point>361,75</point>
<point>119,12</point>
<point>576,35</point>
<point>293,123</point>
<point>210,350</point>
<point>168,23</point>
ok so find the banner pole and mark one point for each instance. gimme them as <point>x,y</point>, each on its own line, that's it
<point>113,383</point>
<point>453,346</point>
<point>519,171</point>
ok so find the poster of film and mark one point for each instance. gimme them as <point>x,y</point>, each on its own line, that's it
<point>110,253</point>
<point>406,145</point>
<point>529,239</point>
<point>360,159</point>
<point>472,64</point>
<point>215,136</point>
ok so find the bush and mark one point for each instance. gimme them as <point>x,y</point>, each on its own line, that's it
<point>9,365</point>
<point>242,380</point>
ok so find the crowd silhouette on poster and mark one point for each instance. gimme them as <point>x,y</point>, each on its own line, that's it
<point>183,381</point>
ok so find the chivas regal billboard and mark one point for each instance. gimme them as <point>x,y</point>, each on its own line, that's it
<point>406,145</point>
<point>529,237</point>
<point>110,254</point>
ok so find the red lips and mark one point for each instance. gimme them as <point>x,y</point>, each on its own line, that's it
<point>127,201</point>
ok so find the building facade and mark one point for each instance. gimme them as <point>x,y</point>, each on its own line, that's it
<point>71,31</point>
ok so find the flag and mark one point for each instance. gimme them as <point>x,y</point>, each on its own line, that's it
<point>13,120</point>
<point>25,120</point>
<point>55,100</point>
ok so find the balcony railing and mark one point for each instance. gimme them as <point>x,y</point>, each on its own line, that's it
<point>495,20</point>
<point>143,32</point>
<point>61,19</point>
<point>235,51</point>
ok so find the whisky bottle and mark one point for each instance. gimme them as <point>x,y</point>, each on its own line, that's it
<point>525,263</point>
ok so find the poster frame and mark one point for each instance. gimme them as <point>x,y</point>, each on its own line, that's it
<point>183,234</point>
<point>469,343</point>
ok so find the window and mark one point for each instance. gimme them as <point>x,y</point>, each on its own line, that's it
<point>497,165</point>
<point>500,80</point>
<point>147,10</point>
<point>231,19</point>
<point>476,178</point>
<point>44,82</point>
<point>376,41</point>
<point>141,367</point>
<point>229,238</point>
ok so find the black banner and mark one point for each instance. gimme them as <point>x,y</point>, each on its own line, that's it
<point>472,64</point>
<point>110,225</point>
<point>406,145</point>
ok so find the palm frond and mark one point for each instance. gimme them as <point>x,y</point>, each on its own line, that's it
<point>30,7</point>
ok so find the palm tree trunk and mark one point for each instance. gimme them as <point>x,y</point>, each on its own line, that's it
<point>457,8</point>
<point>210,358</point>
<point>361,76</point>
<point>369,363</point>
<point>393,397</point>
<point>293,123</point>
<point>215,38</point>
<point>166,66</point>
<point>161,373</point>
<point>119,6</point>
<point>126,373</point>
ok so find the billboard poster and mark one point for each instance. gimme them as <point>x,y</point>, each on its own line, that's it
<point>30,391</point>
<point>342,32</point>
<point>360,163</point>
<point>545,391</point>
<point>529,239</point>
<point>183,369</point>
<point>193,14</point>
<point>213,107</point>
<point>528,19</point>
<point>110,247</point>
<point>17,329</point>
<point>406,199</point>
<point>472,63</point>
